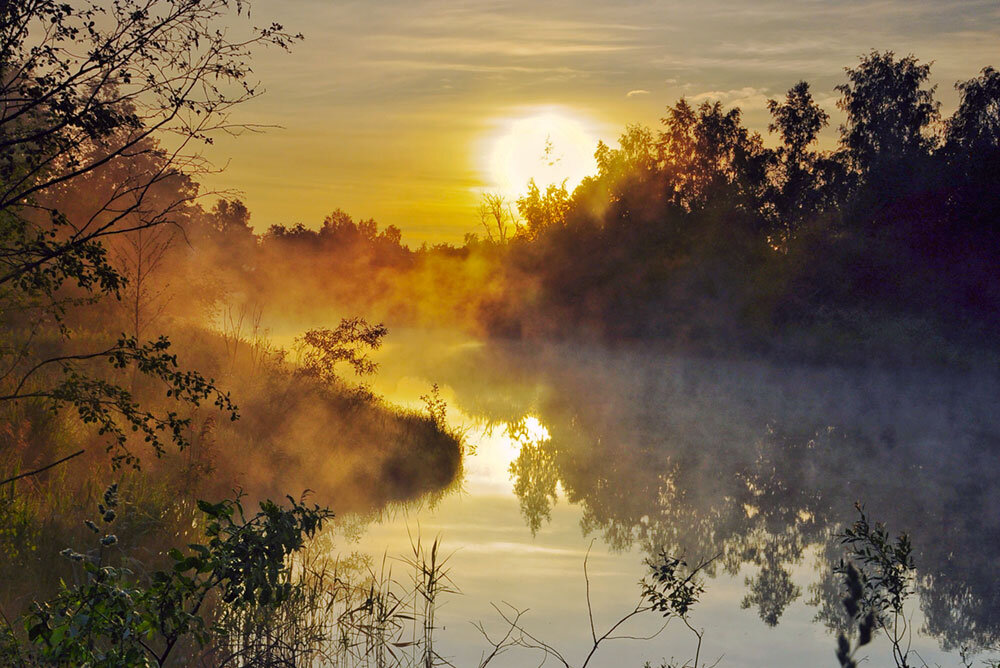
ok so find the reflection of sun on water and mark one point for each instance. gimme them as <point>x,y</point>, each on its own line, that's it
<point>535,430</point>
<point>548,144</point>
<point>496,448</point>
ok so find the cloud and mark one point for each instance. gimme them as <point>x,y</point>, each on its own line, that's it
<point>497,47</point>
<point>746,97</point>
<point>431,65</point>
<point>639,91</point>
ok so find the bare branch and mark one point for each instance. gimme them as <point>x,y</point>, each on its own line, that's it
<point>42,469</point>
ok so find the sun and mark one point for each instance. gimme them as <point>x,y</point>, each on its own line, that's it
<point>549,144</point>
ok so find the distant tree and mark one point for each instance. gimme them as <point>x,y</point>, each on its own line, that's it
<point>890,112</point>
<point>972,152</point>
<point>707,153</point>
<point>496,214</point>
<point>230,217</point>
<point>975,125</point>
<point>139,258</point>
<point>626,175</point>
<point>636,152</point>
<point>797,120</point>
<point>362,238</point>
<point>543,210</point>
<point>323,349</point>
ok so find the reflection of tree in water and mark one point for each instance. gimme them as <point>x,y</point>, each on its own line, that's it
<point>699,463</point>
<point>772,590</point>
<point>535,475</point>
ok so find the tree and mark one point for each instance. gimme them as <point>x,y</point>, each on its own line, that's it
<point>797,121</point>
<point>636,152</point>
<point>975,125</point>
<point>542,211</point>
<point>628,176</point>
<point>322,349</point>
<point>706,152</point>
<point>139,258</point>
<point>122,92</point>
<point>497,217</point>
<point>889,111</point>
<point>972,152</point>
<point>85,86</point>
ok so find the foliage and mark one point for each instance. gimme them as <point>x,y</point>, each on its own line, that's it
<point>120,617</point>
<point>325,348</point>
<point>699,234</point>
<point>436,407</point>
<point>889,113</point>
<point>798,119</point>
<point>543,210</point>
<point>799,189</point>
<point>879,576</point>
<point>885,565</point>
<point>88,89</point>
<point>707,153</point>
<point>112,409</point>
<point>865,622</point>
<point>673,587</point>
<point>535,475</point>
<point>85,85</point>
<point>975,125</point>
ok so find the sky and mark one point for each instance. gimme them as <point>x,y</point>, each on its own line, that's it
<point>408,111</point>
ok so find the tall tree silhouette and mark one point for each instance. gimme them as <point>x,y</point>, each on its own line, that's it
<point>889,110</point>
<point>798,121</point>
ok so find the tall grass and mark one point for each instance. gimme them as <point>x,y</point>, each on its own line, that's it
<point>345,612</point>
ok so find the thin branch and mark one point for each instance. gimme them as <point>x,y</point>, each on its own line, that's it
<point>44,468</point>
<point>586,578</point>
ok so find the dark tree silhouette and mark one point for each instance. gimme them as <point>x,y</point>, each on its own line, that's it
<point>798,121</point>
<point>890,114</point>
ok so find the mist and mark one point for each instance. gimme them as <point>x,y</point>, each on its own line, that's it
<point>724,352</point>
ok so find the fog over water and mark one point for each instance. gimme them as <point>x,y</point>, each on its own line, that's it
<point>629,451</point>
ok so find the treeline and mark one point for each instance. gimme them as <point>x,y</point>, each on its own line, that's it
<point>701,235</point>
<point>704,235</point>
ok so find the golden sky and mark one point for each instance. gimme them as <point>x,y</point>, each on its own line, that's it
<point>394,109</point>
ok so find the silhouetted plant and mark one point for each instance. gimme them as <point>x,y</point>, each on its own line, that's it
<point>323,349</point>
<point>889,113</point>
<point>865,622</point>
<point>672,589</point>
<point>879,574</point>
<point>117,617</point>
<point>436,407</point>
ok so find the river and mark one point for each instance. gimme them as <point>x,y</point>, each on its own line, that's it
<point>620,453</point>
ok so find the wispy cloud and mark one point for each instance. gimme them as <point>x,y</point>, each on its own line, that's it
<point>636,92</point>
<point>745,97</point>
<point>473,47</point>
<point>458,66</point>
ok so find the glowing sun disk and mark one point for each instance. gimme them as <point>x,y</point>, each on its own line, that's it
<point>549,145</point>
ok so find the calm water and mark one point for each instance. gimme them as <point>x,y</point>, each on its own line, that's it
<point>625,452</point>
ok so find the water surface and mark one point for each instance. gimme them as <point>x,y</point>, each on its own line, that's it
<point>630,451</point>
